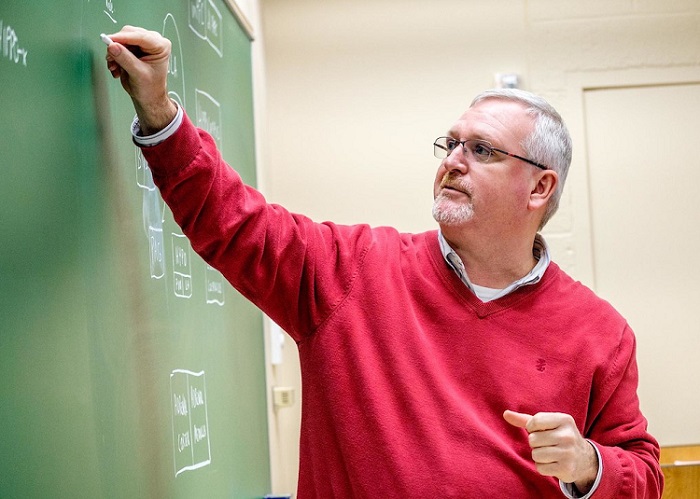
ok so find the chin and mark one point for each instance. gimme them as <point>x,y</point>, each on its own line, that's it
<point>447,213</point>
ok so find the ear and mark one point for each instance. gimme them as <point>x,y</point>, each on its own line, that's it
<point>544,185</point>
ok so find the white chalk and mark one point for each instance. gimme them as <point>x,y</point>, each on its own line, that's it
<point>106,39</point>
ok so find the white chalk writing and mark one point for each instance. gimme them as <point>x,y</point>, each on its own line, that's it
<point>182,268</point>
<point>183,441</point>
<point>214,286</point>
<point>208,114</point>
<point>180,405</point>
<point>11,49</point>
<point>196,397</point>
<point>156,251</point>
<point>197,12</point>
<point>205,21</point>
<point>109,10</point>
<point>200,433</point>
<point>176,69</point>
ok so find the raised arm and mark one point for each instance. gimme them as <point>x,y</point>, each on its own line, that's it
<point>295,270</point>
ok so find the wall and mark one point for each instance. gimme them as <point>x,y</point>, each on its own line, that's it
<point>357,90</point>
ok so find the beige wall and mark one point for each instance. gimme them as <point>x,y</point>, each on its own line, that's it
<point>357,90</point>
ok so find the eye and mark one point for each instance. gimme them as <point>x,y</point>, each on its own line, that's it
<point>481,151</point>
<point>450,144</point>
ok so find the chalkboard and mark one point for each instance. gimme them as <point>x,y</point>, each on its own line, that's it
<point>128,367</point>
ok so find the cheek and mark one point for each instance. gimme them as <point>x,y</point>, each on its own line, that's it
<point>522,191</point>
<point>513,193</point>
<point>439,175</point>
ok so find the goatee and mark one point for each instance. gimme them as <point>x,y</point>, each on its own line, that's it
<point>446,212</point>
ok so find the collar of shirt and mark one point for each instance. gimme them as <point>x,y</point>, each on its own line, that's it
<point>540,251</point>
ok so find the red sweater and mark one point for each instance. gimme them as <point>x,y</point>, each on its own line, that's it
<point>405,372</point>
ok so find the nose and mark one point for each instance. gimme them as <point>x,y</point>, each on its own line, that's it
<point>456,160</point>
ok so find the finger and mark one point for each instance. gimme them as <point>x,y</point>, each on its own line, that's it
<point>544,421</point>
<point>548,469</point>
<point>517,419</point>
<point>119,56</point>
<point>563,469</point>
<point>544,438</point>
<point>111,64</point>
<point>547,455</point>
<point>133,49</point>
<point>142,42</point>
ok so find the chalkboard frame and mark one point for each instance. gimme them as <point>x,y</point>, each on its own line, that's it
<point>241,18</point>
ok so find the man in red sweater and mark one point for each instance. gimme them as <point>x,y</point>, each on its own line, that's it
<point>459,362</point>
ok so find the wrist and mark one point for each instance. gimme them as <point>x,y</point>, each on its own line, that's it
<point>154,118</point>
<point>590,471</point>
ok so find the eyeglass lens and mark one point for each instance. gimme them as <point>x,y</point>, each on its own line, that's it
<point>479,149</point>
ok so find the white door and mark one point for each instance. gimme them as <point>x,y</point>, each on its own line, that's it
<point>643,146</point>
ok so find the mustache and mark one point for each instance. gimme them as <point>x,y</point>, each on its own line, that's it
<point>452,180</point>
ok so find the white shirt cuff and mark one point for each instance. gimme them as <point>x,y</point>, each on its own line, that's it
<point>158,137</point>
<point>568,488</point>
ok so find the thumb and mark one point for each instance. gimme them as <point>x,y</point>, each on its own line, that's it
<point>122,56</point>
<point>517,419</point>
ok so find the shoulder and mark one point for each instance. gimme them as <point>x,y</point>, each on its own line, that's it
<point>578,294</point>
<point>574,303</point>
<point>386,238</point>
<point>389,252</point>
<point>411,248</point>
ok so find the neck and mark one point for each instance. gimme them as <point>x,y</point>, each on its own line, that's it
<point>492,262</point>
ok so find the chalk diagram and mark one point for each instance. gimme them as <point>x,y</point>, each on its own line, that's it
<point>190,420</point>
<point>208,115</point>
<point>153,208</point>
<point>153,205</point>
<point>176,68</point>
<point>144,178</point>
<point>182,266</point>
<point>214,286</point>
<point>205,20</point>
<point>109,10</point>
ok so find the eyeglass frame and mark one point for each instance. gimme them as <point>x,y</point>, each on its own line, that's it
<point>488,144</point>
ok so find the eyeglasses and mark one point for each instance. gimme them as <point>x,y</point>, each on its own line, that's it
<point>481,150</point>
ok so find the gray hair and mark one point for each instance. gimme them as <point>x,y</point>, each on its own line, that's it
<point>549,143</point>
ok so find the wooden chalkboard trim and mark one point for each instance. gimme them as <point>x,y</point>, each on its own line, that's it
<point>680,455</point>
<point>241,18</point>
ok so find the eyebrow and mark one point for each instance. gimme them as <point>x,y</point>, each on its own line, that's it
<point>477,135</point>
<point>452,133</point>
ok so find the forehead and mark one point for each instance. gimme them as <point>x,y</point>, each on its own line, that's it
<point>496,120</point>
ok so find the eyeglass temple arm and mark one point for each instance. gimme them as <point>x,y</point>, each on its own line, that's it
<point>538,165</point>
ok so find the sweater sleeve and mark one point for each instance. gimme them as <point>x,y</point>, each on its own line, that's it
<point>295,270</point>
<point>630,455</point>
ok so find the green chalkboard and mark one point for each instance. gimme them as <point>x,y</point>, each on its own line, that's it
<point>128,368</point>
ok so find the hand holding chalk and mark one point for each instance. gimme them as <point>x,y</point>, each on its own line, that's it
<point>139,58</point>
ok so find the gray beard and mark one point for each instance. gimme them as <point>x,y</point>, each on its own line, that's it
<point>451,215</point>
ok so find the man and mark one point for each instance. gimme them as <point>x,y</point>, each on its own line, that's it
<point>453,363</point>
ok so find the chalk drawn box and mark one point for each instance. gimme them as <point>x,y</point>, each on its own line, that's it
<point>191,447</point>
<point>182,266</point>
